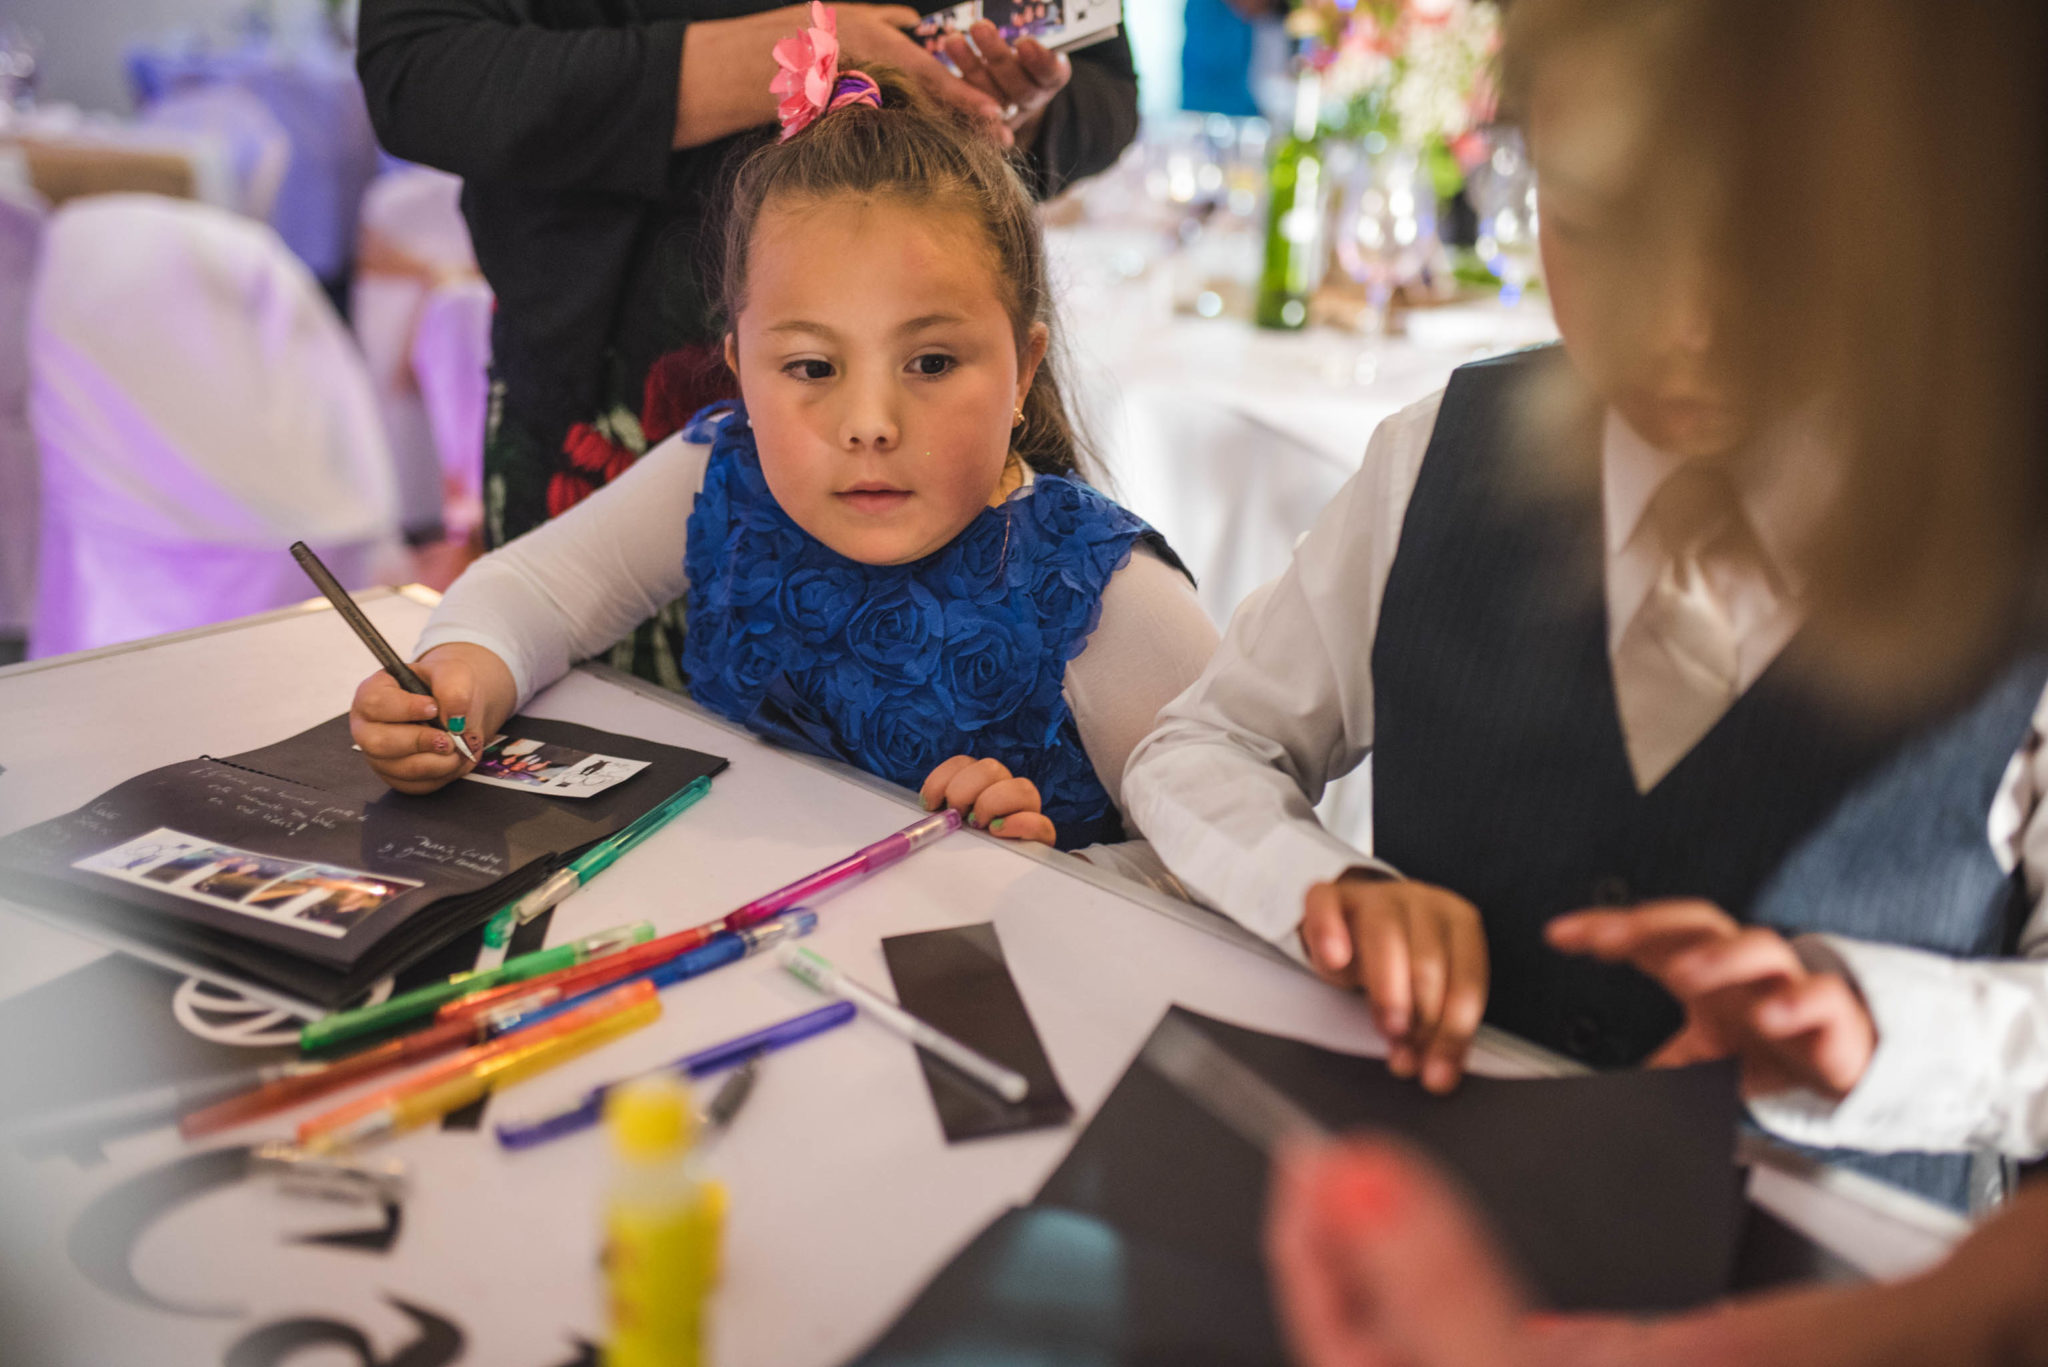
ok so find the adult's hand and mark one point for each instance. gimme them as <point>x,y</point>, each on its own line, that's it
<point>729,63</point>
<point>875,33</point>
<point>1024,78</point>
<point>1377,1261</point>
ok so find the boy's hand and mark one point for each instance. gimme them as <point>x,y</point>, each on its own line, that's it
<point>388,723</point>
<point>1745,993</point>
<point>1420,954</point>
<point>990,797</point>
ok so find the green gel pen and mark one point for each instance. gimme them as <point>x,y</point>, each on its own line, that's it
<point>590,863</point>
<point>343,1026</point>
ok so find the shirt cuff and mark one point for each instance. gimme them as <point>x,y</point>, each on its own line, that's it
<point>1264,892</point>
<point>1934,1079</point>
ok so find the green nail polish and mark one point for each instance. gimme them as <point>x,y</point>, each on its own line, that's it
<point>456,724</point>
<point>997,824</point>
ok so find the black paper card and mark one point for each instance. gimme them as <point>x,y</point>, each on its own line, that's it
<point>1055,1288</point>
<point>1614,1191</point>
<point>957,981</point>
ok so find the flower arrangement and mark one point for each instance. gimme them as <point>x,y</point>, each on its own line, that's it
<point>1419,72</point>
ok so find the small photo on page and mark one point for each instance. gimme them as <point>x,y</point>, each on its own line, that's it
<point>187,865</point>
<point>331,900</point>
<point>320,898</point>
<point>139,857</point>
<point>558,770</point>
<point>238,875</point>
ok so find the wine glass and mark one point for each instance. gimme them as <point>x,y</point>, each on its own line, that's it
<point>1386,223</point>
<point>1502,190</point>
<point>19,49</point>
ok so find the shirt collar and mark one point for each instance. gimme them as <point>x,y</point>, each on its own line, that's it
<point>1794,476</point>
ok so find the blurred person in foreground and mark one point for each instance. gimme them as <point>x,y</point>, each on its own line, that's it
<point>1883,188</point>
<point>1725,612</point>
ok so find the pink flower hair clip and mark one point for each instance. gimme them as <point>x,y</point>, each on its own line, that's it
<point>809,81</point>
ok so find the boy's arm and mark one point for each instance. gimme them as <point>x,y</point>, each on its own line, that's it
<point>1225,786</point>
<point>1961,1058</point>
<point>1962,1045</point>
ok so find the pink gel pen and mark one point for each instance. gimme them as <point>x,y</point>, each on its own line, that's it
<point>834,877</point>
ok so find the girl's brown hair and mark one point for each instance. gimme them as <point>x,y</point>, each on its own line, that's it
<point>915,152</point>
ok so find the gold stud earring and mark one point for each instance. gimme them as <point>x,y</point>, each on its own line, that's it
<point>1018,419</point>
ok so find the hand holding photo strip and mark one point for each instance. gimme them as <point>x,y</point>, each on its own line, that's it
<point>1056,25</point>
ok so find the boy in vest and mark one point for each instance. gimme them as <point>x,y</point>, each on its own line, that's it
<point>1602,692</point>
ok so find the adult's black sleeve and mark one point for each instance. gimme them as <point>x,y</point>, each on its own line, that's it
<point>1089,124</point>
<point>478,88</point>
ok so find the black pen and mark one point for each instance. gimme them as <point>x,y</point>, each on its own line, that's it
<point>324,580</point>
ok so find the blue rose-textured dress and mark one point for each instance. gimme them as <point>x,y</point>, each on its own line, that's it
<point>894,668</point>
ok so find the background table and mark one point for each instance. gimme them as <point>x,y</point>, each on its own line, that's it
<point>845,1197</point>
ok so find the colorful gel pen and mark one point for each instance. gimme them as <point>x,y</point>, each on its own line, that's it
<point>327,1128</point>
<point>856,866</point>
<point>432,1100</point>
<point>833,878</point>
<point>366,632</point>
<point>589,1109</point>
<point>591,863</point>
<point>705,946</point>
<point>134,1111</point>
<point>318,1080</point>
<point>343,1026</point>
<point>815,969</point>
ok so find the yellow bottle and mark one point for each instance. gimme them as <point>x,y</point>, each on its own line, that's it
<point>662,1229</point>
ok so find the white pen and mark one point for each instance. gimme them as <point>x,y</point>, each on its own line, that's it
<point>817,970</point>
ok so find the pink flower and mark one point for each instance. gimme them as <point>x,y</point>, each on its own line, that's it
<point>809,65</point>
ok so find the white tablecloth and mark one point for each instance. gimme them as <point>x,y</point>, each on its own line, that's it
<point>1227,438</point>
<point>845,1196</point>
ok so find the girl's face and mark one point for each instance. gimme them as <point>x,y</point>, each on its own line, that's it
<point>881,372</point>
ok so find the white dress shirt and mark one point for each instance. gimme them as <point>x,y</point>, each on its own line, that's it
<point>1225,789</point>
<point>570,588</point>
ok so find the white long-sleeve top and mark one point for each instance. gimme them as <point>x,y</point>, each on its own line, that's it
<point>1225,787</point>
<point>572,587</point>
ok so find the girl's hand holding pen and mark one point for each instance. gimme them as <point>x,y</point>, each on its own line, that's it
<point>473,695</point>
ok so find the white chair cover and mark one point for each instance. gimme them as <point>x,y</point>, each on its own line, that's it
<point>451,361</point>
<point>411,243</point>
<point>259,149</point>
<point>198,407</point>
<point>21,235</point>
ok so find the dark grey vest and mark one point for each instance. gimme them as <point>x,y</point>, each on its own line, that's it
<point>1499,769</point>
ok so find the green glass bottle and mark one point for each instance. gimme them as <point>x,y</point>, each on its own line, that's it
<point>1294,214</point>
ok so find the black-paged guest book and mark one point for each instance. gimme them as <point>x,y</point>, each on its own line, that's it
<point>294,869</point>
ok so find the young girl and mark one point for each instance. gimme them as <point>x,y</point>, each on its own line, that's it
<point>889,554</point>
